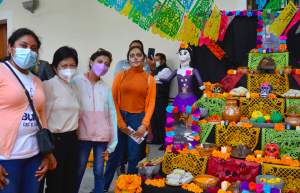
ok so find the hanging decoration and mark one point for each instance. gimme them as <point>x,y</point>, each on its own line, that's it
<point>127,8</point>
<point>298,30</point>
<point>294,21</point>
<point>280,23</point>
<point>170,19</point>
<point>270,10</point>
<point>223,26</point>
<point>230,20</point>
<point>146,22</point>
<point>187,4</point>
<point>261,4</point>
<point>212,27</point>
<point>198,12</point>
<point>144,6</point>
<point>260,33</point>
<point>188,32</point>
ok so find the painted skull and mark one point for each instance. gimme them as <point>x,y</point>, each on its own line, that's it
<point>265,89</point>
<point>218,89</point>
<point>272,150</point>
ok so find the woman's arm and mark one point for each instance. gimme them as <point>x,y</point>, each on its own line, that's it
<point>170,78</point>
<point>112,118</point>
<point>151,103</point>
<point>198,78</point>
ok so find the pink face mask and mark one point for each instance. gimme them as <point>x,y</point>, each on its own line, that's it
<point>99,69</point>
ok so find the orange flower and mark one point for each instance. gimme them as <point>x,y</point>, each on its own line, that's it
<point>196,137</point>
<point>295,163</point>
<point>297,71</point>
<point>286,160</point>
<point>194,152</point>
<point>247,125</point>
<point>230,72</point>
<point>227,95</point>
<point>219,96</point>
<point>252,186</point>
<point>169,148</point>
<point>184,45</point>
<point>130,183</point>
<point>254,95</point>
<point>221,155</point>
<point>192,187</point>
<point>279,127</point>
<point>210,95</point>
<point>259,160</point>
<point>257,152</point>
<point>282,46</point>
<point>250,158</point>
<point>223,191</point>
<point>203,121</point>
<point>272,96</point>
<point>184,151</point>
<point>277,70</point>
<point>156,182</point>
<point>243,118</point>
<point>232,123</point>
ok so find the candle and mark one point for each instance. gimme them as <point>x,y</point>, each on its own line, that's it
<point>204,95</point>
<point>224,185</point>
<point>248,95</point>
<point>234,72</point>
<point>222,122</point>
<point>298,128</point>
<point>224,149</point>
<point>258,155</point>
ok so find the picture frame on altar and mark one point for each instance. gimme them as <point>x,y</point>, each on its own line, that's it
<point>182,128</point>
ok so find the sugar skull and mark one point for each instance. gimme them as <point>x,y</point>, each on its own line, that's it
<point>218,89</point>
<point>272,150</point>
<point>265,89</point>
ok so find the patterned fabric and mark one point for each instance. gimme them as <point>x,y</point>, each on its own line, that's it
<point>291,102</point>
<point>205,131</point>
<point>234,135</point>
<point>280,59</point>
<point>264,105</point>
<point>280,82</point>
<point>288,141</point>
<point>229,81</point>
<point>232,170</point>
<point>190,163</point>
<point>290,175</point>
<point>215,105</point>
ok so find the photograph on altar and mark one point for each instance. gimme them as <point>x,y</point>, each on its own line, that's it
<point>182,128</point>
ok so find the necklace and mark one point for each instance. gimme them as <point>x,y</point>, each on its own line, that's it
<point>68,89</point>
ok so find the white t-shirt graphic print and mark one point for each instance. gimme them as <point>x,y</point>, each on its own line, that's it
<point>26,144</point>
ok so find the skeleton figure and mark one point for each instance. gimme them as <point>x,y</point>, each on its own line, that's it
<point>265,89</point>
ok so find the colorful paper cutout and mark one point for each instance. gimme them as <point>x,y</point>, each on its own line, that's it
<point>270,10</point>
<point>188,32</point>
<point>261,4</point>
<point>146,22</point>
<point>126,10</point>
<point>198,12</point>
<point>187,4</point>
<point>280,23</point>
<point>212,27</point>
<point>294,21</point>
<point>230,20</point>
<point>223,27</point>
<point>105,2</point>
<point>144,6</point>
<point>298,30</point>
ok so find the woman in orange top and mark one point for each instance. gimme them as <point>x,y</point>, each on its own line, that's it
<point>134,94</point>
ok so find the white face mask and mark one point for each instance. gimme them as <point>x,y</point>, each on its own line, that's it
<point>184,57</point>
<point>67,74</point>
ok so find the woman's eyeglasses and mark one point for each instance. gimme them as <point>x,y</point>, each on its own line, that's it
<point>139,55</point>
<point>101,49</point>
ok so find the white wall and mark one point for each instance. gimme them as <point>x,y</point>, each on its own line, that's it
<point>87,25</point>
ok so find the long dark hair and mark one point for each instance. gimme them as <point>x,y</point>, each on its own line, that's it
<point>100,53</point>
<point>17,35</point>
<point>133,47</point>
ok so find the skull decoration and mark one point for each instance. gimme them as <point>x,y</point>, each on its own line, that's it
<point>272,150</point>
<point>265,89</point>
<point>218,88</point>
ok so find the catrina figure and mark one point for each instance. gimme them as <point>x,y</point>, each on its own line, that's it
<point>185,76</point>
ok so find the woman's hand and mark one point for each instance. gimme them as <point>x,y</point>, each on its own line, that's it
<point>140,131</point>
<point>125,130</point>
<point>2,178</point>
<point>52,162</point>
<point>104,154</point>
<point>44,167</point>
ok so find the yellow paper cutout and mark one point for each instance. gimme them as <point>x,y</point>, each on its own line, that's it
<point>280,23</point>
<point>156,30</point>
<point>188,32</point>
<point>212,27</point>
<point>127,8</point>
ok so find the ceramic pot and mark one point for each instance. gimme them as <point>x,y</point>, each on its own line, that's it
<point>287,70</point>
<point>292,119</point>
<point>244,69</point>
<point>232,112</point>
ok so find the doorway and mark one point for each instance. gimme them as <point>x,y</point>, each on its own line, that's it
<point>3,40</point>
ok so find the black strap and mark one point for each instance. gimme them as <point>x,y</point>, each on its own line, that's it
<point>28,97</point>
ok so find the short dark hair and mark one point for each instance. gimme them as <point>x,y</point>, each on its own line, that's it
<point>100,53</point>
<point>133,47</point>
<point>161,56</point>
<point>137,41</point>
<point>63,53</point>
<point>17,35</point>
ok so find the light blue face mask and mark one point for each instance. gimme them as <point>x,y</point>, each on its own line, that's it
<point>24,58</point>
<point>30,68</point>
<point>157,64</point>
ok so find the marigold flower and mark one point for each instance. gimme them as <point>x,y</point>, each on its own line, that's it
<point>254,95</point>
<point>219,96</point>
<point>247,125</point>
<point>279,127</point>
<point>243,118</point>
<point>184,45</point>
<point>203,121</point>
<point>272,96</point>
<point>232,123</point>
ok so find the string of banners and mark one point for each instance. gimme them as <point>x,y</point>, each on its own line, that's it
<point>179,20</point>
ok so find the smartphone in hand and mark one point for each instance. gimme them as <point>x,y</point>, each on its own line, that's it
<point>151,52</point>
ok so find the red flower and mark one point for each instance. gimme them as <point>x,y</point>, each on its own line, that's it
<point>259,30</point>
<point>258,46</point>
<point>193,108</point>
<point>195,123</point>
<point>175,110</point>
<point>252,186</point>
<point>293,71</point>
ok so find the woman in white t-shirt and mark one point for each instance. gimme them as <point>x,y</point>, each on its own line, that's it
<point>22,167</point>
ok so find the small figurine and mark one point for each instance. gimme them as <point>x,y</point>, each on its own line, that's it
<point>185,75</point>
<point>272,150</point>
<point>265,89</point>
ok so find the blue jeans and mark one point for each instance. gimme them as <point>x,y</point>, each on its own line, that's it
<point>84,152</point>
<point>134,120</point>
<point>21,175</point>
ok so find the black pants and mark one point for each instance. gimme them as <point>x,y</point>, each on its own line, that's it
<point>158,120</point>
<point>62,179</point>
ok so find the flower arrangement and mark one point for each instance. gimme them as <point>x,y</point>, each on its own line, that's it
<point>129,183</point>
<point>230,72</point>
<point>156,182</point>
<point>272,96</point>
<point>221,155</point>
<point>286,160</point>
<point>203,121</point>
<point>227,95</point>
<point>232,123</point>
<point>254,95</point>
<point>184,45</point>
<point>243,118</point>
<point>258,152</point>
<point>246,186</point>
<point>219,96</point>
<point>247,125</point>
<point>192,187</point>
<point>279,127</point>
<point>277,70</point>
<point>223,191</point>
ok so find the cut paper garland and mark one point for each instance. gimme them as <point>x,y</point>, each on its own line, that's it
<point>230,20</point>
<point>187,4</point>
<point>212,27</point>
<point>298,30</point>
<point>280,23</point>
<point>223,27</point>
<point>294,21</point>
<point>188,32</point>
<point>144,6</point>
<point>270,10</point>
<point>261,4</point>
<point>198,12</point>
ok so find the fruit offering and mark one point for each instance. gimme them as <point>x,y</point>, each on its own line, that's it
<point>271,181</point>
<point>256,114</point>
<point>276,117</point>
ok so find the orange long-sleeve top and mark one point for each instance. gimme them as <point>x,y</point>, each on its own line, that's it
<point>134,91</point>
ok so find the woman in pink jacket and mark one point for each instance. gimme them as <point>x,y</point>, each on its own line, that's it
<point>98,124</point>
